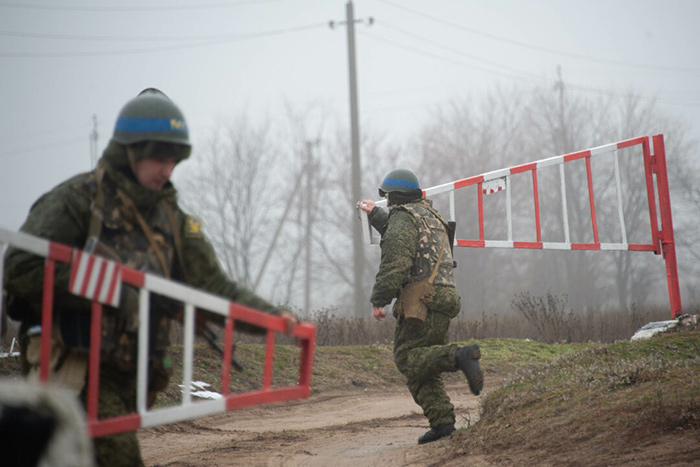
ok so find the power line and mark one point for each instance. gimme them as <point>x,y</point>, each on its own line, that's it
<point>181,38</point>
<point>140,8</point>
<point>514,73</point>
<point>643,66</point>
<point>213,40</point>
<point>460,52</point>
<point>51,145</point>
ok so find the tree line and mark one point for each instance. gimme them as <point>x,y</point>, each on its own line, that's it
<point>275,197</point>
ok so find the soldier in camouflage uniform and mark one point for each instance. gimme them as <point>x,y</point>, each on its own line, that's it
<point>413,241</point>
<point>126,210</point>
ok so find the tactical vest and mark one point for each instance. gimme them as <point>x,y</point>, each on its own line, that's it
<point>432,232</point>
<point>142,241</point>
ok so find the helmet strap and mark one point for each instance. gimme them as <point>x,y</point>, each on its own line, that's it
<point>132,159</point>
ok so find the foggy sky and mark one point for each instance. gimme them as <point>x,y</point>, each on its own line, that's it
<point>64,61</point>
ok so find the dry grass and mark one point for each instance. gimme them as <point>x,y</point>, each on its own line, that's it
<point>596,406</point>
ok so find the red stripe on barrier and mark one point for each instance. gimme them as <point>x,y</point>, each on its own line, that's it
<point>111,426</point>
<point>640,247</point>
<point>257,318</point>
<point>74,269</point>
<point>536,197</point>
<point>528,245</point>
<point>468,181</point>
<point>585,246</point>
<point>523,168</point>
<point>591,199</point>
<point>46,320</point>
<point>576,155</point>
<point>307,352</point>
<point>305,331</point>
<point>100,279</point>
<point>88,273</point>
<point>94,361</point>
<point>480,209</point>
<point>133,277</point>
<point>632,142</point>
<point>471,243</point>
<point>60,252</point>
<point>113,283</point>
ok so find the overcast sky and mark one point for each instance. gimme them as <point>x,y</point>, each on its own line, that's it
<point>63,61</point>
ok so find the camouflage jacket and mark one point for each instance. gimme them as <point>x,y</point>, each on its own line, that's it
<point>63,215</point>
<point>412,237</point>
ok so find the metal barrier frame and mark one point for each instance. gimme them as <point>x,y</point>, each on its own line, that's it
<point>192,298</point>
<point>662,239</point>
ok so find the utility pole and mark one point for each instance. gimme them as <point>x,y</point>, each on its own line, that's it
<point>310,174</point>
<point>93,142</point>
<point>359,298</point>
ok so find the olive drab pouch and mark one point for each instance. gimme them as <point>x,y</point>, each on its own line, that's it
<point>414,300</point>
<point>415,297</point>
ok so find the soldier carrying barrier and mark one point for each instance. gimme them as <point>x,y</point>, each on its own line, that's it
<point>128,205</point>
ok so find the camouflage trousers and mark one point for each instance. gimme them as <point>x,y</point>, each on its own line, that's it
<point>421,354</point>
<point>117,396</point>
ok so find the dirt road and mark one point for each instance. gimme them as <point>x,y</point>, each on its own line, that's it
<point>341,429</point>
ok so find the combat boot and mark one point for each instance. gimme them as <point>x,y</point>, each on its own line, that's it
<point>467,359</point>
<point>436,433</point>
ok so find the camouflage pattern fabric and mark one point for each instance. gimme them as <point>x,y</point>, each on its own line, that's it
<point>63,215</point>
<point>117,396</point>
<point>421,354</point>
<point>411,242</point>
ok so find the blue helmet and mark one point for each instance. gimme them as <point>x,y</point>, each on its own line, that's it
<point>399,180</point>
<point>151,116</point>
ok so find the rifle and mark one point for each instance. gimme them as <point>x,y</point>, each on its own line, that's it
<point>168,306</point>
<point>173,310</point>
<point>451,228</point>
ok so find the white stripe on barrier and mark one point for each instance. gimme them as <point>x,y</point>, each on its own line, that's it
<point>22,241</point>
<point>496,174</point>
<point>100,278</point>
<point>603,149</point>
<point>556,246</point>
<point>614,246</point>
<point>556,160</point>
<point>186,294</point>
<point>498,244</point>
<point>174,414</point>
<point>436,190</point>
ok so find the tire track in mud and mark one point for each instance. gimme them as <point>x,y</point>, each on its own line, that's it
<point>352,428</point>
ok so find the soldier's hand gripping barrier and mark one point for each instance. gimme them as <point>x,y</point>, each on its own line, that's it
<point>644,178</point>
<point>100,280</point>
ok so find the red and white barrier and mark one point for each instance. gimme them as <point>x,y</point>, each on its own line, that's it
<point>499,181</point>
<point>100,281</point>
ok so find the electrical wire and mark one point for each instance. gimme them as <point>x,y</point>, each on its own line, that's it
<point>514,73</point>
<point>54,144</point>
<point>643,66</point>
<point>213,40</point>
<point>130,9</point>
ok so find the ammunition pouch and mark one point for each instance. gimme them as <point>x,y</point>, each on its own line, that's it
<point>414,299</point>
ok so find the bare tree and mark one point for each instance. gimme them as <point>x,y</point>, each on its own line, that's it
<point>508,128</point>
<point>229,187</point>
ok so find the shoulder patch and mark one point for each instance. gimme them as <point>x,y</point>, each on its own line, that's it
<point>193,227</point>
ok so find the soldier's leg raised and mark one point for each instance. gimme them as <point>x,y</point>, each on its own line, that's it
<point>421,354</point>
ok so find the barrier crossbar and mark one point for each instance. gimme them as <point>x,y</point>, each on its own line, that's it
<point>657,190</point>
<point>99,280</point>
